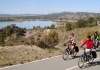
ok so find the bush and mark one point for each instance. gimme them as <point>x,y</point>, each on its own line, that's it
<point>10,31</point>
<point>42,44</point>
<point>52,26</point>
<point>81,23</point>
<point>85,23</point>
<point>30,41</point>
<point>48,41</point>
<point>52,39</point>
<point>9,43</point>
<point>68,27</point>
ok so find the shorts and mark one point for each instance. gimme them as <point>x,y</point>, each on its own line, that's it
<point>87,50</point>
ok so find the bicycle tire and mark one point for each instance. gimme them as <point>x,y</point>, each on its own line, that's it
<point>75,53</point>
<point>91,59</point>
<point>65,54</point>
<point>81,62</point>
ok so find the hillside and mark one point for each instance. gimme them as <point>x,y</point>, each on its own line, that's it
<point>27,51</point>
<point>13,35</point>
<point>69,16</point>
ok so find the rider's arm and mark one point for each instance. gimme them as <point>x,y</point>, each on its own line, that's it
<point>68,39</point>
<point>84,43</point>
<point>73,40</point>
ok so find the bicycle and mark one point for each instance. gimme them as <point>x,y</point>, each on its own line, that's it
<point>85,58</point>
<point>68,52</point>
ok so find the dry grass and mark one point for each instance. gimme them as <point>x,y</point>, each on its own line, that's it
<point>80,34</point>
<point>21,54</point>
<point>18,54</point>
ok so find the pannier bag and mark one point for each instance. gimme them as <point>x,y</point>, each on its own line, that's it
<point>94,54</point>
<point>76,49</point>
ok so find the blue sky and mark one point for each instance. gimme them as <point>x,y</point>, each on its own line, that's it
<point>48,6</point>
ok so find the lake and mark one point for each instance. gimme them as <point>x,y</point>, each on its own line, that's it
<point>27,24</point>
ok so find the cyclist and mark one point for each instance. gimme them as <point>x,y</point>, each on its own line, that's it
<point>99,39</point>
<point>71,42</point>
<point>96,38</point>
<point>89,45</point>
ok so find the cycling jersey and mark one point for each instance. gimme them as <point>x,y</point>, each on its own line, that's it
<point>89,44</point>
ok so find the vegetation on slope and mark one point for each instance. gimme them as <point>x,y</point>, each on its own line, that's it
<point>11,55</point>
<point>35,44</point>
<point>10,33</point>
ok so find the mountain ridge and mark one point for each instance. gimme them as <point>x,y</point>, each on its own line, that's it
<point>55,16</point>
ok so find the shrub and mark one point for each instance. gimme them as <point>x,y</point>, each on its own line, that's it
<point>52,26</point>
<point>86,23</point>
<point>30,41</point>
<point>9,43</point>
<point>68,27</point>
<point>48,41</point>
<point>10,31</point>
<point>42,44</point>
<point>52,39</point>
<point>81,23</point>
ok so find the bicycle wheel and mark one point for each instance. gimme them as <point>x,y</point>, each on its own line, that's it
<point>81,62</point>
<point>90,59</point>
<point>65,54</point>
<point>73,56</point>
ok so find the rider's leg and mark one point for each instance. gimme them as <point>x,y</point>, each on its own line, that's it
<point>88,53</point>
<point>96,43</point>
<point>72,48</point>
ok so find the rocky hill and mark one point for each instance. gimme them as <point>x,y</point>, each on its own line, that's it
<point>71,15</point>
<point>54,16</point>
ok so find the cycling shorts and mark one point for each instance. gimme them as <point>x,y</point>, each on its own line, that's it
<point>87,50</point>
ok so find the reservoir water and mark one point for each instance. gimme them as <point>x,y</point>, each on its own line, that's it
<point>27,24</point>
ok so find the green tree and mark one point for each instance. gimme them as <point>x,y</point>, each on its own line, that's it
<point>39,27</point>
<point>68,27</point>
<point>34,27</point>
<point>48,27</point>
<point>81,23</point>
<point>92,22</point>
<point>52,26</point>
